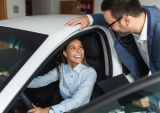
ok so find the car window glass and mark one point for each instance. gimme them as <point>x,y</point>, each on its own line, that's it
<point>148,100</point>
<point>16,46</point>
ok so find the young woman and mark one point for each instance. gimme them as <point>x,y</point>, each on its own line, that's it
<point>76,78</point>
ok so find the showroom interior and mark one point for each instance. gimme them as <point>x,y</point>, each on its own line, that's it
<point>34,34</point>
<point>20,8</point>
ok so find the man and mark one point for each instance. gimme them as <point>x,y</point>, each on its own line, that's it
<point>138,33</point>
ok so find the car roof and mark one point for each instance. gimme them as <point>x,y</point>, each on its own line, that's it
<point>45,24</point>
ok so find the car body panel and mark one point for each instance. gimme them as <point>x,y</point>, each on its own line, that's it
<point>29,67</point>
<point>57,34</point>
<point>109,100</point>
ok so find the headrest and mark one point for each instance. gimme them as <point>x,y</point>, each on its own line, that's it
<point>90,45</point>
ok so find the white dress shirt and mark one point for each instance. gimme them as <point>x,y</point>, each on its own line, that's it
<point>141,41</point>
<point>90,19</point>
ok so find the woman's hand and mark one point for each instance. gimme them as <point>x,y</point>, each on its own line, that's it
<point>84,21</point>
<point>38,110</point>
<point>5,73</point>
<point>144,102</point>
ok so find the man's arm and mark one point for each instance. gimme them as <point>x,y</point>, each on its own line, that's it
<point>98,19</point>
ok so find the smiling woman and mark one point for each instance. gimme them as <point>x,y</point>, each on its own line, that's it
<point>76,78</point>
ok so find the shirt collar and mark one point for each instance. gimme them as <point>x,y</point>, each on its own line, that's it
<point>77,68</point>
<point>143,35</point>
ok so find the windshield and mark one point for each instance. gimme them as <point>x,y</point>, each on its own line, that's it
<point>16,47</point>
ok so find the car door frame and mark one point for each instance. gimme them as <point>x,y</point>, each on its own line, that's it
<point>119,93</point>
<point>70,37</point>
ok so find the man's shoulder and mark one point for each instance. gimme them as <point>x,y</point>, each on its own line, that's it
<point>154,11</point>
<point>150,7</point>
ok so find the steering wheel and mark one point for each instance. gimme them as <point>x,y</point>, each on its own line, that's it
<point>26,101</point>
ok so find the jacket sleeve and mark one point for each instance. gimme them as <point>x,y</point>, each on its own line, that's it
<point>154,101</point>
<point>98,19</point>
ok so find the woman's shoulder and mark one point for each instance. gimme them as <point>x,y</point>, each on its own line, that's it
<point>89,72</point>
<point>88,68</point>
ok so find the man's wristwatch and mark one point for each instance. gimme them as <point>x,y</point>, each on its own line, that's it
<point>51,110</point>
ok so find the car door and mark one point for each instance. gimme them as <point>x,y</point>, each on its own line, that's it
<point>123,100</point>
<point>108,59</point>
<point>43,45</point>
<point>16,47</point>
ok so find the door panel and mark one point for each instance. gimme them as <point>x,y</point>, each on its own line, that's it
<point>29,10</point>
<point>3,10</point>
<point>70,7</point>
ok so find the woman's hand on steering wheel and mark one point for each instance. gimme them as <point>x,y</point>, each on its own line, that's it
<point>38,110</point>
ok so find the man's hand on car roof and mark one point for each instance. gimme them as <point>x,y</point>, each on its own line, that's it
<point>84,21</point>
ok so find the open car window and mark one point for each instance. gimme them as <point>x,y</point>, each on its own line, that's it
<point>16,47</point>
<point>42,96</point>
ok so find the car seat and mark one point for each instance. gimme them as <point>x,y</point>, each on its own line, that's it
<point>94,56</point>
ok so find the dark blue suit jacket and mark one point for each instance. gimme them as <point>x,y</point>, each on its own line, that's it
<point>126,47</point>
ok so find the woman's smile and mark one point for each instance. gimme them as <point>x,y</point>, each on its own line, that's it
<point>78,56</point>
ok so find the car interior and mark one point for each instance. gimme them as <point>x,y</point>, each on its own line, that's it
<point>44,96</point>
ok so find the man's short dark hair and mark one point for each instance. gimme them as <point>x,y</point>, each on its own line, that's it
<point>120,8</point>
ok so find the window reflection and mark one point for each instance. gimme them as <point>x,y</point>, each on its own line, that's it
<point>16,47</point>
<point>146,100</point>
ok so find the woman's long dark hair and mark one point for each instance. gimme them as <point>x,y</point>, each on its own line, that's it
<point>62,59</point>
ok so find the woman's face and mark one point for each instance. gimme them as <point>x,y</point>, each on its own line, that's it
<point>74,53</point>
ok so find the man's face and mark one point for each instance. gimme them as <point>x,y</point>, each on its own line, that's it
<point>120,26</point>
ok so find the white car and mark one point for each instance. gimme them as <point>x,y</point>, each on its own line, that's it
<point>29,47</point>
